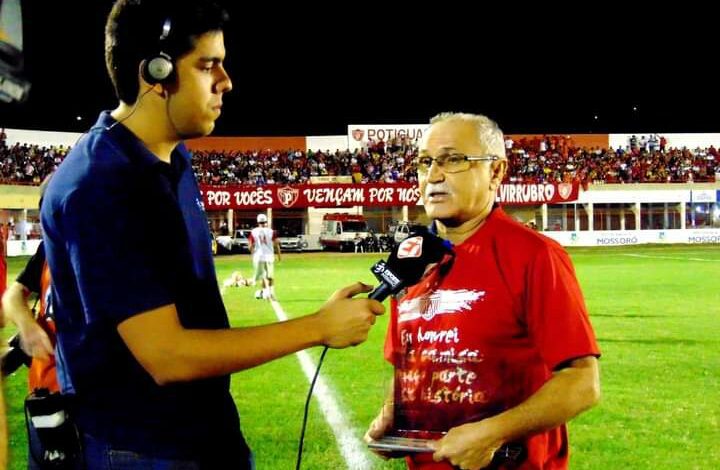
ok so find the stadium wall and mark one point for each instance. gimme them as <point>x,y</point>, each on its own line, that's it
<point>690,141</point>
<point>635,237</point>
<point>230,144</point>
<point>330,143</point>
<point>41,138</point>
<point>14,196</point>
<point>579,140</point>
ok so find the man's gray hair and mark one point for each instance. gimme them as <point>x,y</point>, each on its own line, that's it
<point>487,130</point>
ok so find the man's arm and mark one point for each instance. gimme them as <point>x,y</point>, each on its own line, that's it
<point>3,430</point>
<point>171,353</point>
<point>568,393</point>
<point>34,340</point>
<point>276,244</point>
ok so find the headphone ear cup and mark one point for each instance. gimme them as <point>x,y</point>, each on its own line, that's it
<point>157,69</point>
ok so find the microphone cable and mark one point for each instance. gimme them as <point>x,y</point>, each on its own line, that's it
<point>375,295</point>
<point>307,408</point>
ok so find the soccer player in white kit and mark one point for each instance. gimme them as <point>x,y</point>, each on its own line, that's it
<point>263,243</point>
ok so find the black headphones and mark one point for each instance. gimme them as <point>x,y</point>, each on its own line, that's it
<point>159,68</point>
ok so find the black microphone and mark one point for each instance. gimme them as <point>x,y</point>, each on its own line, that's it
<point>408,261</point>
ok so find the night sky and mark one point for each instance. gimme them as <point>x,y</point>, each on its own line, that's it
<point>611,71</point>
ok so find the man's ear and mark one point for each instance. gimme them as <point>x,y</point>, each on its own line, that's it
<point>498,169</point>
<point>146,86</point>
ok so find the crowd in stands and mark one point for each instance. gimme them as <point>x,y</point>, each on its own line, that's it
<point>548,159</point>
<point>28,164</point>
<point>376,163</point>
<point>643,160</point>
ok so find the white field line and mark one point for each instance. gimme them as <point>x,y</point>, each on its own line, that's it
<point>678,258</point>
<point>351,447</point>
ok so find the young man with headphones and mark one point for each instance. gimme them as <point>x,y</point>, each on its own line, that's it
<point>143,340</point>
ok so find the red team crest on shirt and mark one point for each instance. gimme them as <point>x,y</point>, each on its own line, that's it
<point>410,248</point>
<point>440,302</point>
<point>288,196</point>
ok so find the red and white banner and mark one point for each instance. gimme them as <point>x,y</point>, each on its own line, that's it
<point>368,195</point>
<point>541,193</point>
<point>309,195</point>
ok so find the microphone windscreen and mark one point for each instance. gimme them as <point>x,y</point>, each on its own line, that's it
<point>411,257</point>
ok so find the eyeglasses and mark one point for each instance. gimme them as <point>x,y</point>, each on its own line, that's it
<point>454,163</point>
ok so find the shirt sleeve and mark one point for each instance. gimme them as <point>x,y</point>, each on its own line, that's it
<point>557,317</point>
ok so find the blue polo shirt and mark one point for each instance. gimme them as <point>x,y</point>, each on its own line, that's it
<point>125,233</point>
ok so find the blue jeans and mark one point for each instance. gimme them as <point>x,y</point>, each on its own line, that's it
<point>99,455</point>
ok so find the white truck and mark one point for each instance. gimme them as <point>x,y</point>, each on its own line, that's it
<point>340,231</point>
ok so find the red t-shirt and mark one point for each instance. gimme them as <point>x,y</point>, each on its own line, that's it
<point>43,373</point>
<point>483,336</point>
<point>3,253</point>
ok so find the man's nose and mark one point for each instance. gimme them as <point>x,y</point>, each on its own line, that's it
<point>435,172</point>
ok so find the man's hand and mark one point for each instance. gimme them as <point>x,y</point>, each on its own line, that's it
<point>380,425</point>
<point>346,321</point>
<point>35,341</point>
<point>469,447</point>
